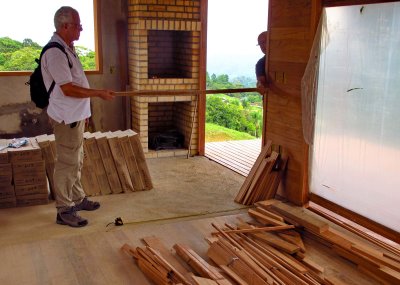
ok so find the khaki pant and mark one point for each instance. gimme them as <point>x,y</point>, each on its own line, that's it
<point>69,161</point>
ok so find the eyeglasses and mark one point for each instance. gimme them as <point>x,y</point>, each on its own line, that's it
<point>77,26</point>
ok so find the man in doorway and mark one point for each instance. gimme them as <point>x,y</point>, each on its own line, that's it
<point>260,66</point>
<point>69,108</point>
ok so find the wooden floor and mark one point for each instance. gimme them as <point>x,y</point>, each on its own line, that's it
<point>236,155</point>
<point>97,258</point>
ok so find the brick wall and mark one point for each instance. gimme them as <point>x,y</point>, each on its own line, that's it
<point>164,51</point>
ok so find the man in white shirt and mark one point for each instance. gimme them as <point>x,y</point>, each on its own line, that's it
<point>69,107</point>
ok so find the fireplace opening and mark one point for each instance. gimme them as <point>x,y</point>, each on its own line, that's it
<point>169,123</point>
<point>169,54</point>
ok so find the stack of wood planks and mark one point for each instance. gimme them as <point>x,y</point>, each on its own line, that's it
<point>265,250</point>
<point>114,162</point>
<point>264,177</point>
<point>379,264</point>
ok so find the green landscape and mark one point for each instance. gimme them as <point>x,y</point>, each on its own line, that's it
<point>20,56</point>
<point>236,116</point>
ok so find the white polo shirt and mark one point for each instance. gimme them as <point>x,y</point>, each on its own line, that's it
<point>55,67</point>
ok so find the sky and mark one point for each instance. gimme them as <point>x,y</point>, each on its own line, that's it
<point>35,20</point>
<point>233,27</point>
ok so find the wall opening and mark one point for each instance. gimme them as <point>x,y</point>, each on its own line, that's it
<point>169,54</point>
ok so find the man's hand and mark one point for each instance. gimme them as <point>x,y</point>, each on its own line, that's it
<point>107,95</point>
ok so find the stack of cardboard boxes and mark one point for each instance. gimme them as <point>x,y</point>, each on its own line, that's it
<point>7,194</point>
<point>114,162</point>
<point>24,180</point>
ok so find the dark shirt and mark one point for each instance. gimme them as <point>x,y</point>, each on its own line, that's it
<point>260,67</point>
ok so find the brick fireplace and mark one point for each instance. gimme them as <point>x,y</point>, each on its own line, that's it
<point>164,50</point>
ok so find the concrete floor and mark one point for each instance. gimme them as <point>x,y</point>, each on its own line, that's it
<point>183,188</point>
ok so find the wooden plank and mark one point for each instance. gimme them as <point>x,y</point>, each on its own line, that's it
<point>256,229</point>
<point>219,254</point>
<point>227,162</point>
<point>266,212</point>
<point>108,162</point>
<point>140,159</point>
<point>95,157</point>
<point>246,184</point>
<point>157,244</point>
<point>293,237</point>
<point>130,160</point>
<point>199,264</point>
<point>89,178</point>
<point>303,216</point>
<point>120,163</point>
<point>203,281</point>
<point>227,150</point>
<point>49,158</point>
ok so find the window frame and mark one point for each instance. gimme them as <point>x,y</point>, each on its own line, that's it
<point>97,46</point>
<point>329,205</point>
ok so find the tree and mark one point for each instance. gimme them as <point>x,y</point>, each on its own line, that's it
<point>30,43</point>
<point>23,59</point>
<point>8,45</point>
<point>17,56</point>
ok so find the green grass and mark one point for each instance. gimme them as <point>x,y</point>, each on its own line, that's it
<point>216,133</point>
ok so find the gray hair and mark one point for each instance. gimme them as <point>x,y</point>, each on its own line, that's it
<point>64,15</point>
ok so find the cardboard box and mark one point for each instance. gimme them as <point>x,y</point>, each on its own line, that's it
<point>5,169</point>
<point>7,192</point>
<point>34,199</point>
<point>3,152</point>
<point>5,181</point>
<point>30,152</point>
<point>29,180</point>
<point>21,190</point>
<point>5,175</point>
<point>29,168</point>
<point>9,202</point>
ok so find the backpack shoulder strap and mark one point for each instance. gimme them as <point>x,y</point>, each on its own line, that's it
<point>52,45</point>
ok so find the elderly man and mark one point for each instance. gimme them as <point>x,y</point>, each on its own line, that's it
<point>69,107</point>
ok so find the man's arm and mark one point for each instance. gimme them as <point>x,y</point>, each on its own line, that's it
<point>71,90</point>
<point>261,84</point>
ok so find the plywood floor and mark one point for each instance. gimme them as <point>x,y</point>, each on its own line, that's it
<point>189,195</point>
<point>239,156</point>
<point>96,258</point>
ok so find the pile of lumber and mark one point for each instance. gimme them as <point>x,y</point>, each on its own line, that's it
<point>264,177</point>
<point>23,180</point>
<point>266,249</point>
<point>113,162</point>
<point>380,265</point>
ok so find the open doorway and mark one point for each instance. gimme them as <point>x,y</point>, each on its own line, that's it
<point>234,109</point>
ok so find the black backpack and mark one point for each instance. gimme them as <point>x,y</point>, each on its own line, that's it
<point>39,94</point>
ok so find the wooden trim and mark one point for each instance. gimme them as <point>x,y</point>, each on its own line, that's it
<point>97,37</point>
<point>316,11</point>
<point>356,218</point>
<point>202,78</point>
<point>182,92</point>
<point>336,3</point>
<point>236,90</point>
